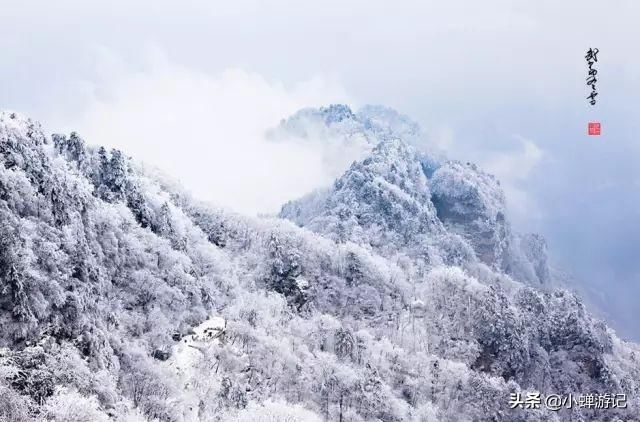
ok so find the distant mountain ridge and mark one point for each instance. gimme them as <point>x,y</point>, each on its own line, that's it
<point>371,123</point>
<point>404,296</point>
<point>402,192</point>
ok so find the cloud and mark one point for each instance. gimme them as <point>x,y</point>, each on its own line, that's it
<point>517,165</point>
<point>208,130</point>
<point>513,169</point>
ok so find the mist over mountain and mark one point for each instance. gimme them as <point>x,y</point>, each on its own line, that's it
<point>399,293</point>
<point>399,197</point>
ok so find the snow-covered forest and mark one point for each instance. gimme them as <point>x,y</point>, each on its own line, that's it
<point>399,293</point>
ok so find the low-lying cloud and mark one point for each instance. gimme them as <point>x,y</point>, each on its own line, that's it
<point>209,130</point>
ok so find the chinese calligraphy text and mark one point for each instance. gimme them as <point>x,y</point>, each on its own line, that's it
<point>592,57</point>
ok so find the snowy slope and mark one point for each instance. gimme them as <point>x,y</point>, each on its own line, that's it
<point>124,298</point>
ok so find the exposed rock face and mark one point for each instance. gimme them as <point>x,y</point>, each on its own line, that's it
<point>472,204</point>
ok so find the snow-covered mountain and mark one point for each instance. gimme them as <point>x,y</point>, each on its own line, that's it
<point>401,199</point>
<point>371,124</point>
<point>400,293</point>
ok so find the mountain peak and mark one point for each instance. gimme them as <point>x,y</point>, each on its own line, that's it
<point>372,124</point>
<point>335,113</point>
<point>381,200</point>
<point>403,197</point>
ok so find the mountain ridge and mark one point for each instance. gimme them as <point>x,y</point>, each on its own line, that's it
<point>107,269</point>
<point>435,193</point>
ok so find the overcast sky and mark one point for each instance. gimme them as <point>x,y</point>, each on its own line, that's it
<point>191,86</point>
